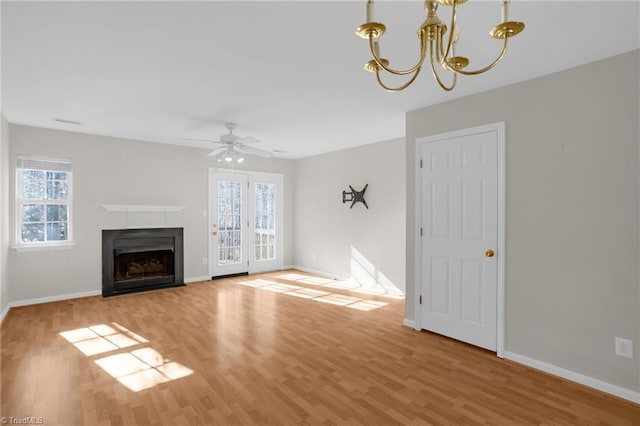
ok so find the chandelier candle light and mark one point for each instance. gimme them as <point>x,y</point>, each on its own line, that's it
<point>432,34</point>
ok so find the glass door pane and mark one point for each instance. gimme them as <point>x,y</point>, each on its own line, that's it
<point>265,221</point>
<point>230,211</point>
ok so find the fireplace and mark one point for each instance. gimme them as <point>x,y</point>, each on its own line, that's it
<point>141,259</point>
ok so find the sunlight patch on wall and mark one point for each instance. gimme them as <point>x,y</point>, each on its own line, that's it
<point>138,369</point>
<point>370,279</point>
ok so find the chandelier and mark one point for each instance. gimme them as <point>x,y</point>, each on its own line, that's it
<point>434,45</point>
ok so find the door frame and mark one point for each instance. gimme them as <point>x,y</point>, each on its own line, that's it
<point>499,128</point>
<point>252,177</point>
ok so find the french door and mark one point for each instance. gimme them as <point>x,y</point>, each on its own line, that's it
<point>246,217</point>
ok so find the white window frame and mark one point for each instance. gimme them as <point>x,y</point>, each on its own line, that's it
<point>47,165</point>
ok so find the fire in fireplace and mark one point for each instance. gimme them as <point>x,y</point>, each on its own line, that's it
<point>141,259</point>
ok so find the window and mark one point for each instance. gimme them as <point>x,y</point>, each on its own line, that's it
<point>43,193</point>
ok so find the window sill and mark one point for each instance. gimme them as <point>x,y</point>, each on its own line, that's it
<point>44,247</point>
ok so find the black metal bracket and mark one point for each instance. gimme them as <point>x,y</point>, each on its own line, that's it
<point>355,196</point>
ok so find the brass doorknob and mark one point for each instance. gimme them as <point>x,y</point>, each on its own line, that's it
<point>489,253</point>
<point>214,233</point>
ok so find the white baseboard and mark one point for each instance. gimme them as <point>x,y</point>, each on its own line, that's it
<point>196,279</point>
<point>4,313</point>
<point>409,323</point>
<point>58,298</point>
<point>320,273</point>
<point>618,391</point>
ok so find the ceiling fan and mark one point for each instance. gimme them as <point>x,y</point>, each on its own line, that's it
<point>232,146</point>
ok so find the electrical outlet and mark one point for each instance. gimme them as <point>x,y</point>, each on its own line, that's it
<point>205,213</point>
<point>624,347</point>
<point>204,261</point>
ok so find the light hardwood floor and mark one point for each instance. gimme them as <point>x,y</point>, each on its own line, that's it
<point>278,348</point>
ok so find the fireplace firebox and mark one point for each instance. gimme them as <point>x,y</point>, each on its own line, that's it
<point>141,259</point>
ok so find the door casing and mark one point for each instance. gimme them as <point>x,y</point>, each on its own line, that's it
<point>499,128</point>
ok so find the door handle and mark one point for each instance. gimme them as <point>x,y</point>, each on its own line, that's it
<point>214,233</point>
<point>489,253</point>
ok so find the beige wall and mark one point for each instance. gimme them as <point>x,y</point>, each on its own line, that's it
<point>117,171</point>
<point>367,245</point>
<point>572,193</point>
<point>4,213</point>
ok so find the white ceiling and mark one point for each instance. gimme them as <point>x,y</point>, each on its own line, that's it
<point>290,73</point>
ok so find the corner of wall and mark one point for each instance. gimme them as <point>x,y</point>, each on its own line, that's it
<point>4,216</point>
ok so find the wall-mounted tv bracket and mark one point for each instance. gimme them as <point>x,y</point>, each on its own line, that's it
<point>355,196</point>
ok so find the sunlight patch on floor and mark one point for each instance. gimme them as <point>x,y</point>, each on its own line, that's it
<point>356,285</point>
<point>307,293</point>
<point>344,285</point>
<point>315,295</point>
<point>257,283</point>
<point>337,299</point>
<point>137,370</point>
<point>101,338</point>
<point>292,277</point>
<point>281,288</point>
<point>366,305</point>
<point>142,369</point>
<point>316,280</point>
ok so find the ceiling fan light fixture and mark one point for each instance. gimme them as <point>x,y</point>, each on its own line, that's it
<point>233,147</point>
<point>230,155</point>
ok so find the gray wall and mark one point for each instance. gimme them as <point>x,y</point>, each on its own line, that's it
<point>4,213</point>
<point>572,230</point>
<point>367,245</point>
<point>117,171</point>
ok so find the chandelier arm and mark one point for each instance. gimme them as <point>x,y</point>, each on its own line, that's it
<point>481,70</point>
<point>440,54</point>
<point>399,88</point>
<point>397,72</point>
<point>437,77</point>
<point>451,35</point>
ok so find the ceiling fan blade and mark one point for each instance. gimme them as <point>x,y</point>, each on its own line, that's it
<point>217,151</point>
<point>255,151</point>
<point>247,139</point>
<point>199,140</point>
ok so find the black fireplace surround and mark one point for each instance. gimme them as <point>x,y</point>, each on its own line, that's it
<point>141,259</point>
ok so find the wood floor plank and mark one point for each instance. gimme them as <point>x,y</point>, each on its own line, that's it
<point>278,348</point>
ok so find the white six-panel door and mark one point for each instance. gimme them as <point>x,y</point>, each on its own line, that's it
<point>459,244</point>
